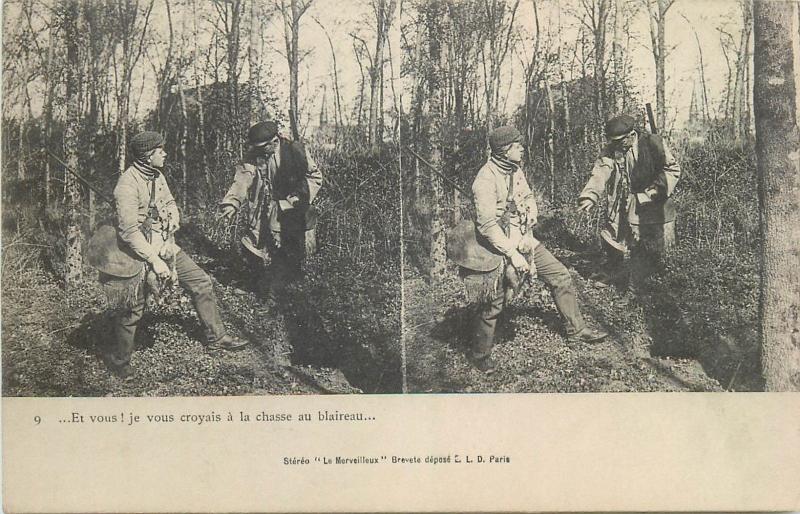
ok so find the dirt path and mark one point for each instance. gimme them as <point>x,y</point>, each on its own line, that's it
<point>531,349</point>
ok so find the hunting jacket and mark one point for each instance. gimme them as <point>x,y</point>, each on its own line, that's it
<point>490,194</point>
<point>624,178</point>
<point>264,181</point>
<point>132,199</point>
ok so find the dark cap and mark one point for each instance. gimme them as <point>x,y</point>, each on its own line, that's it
<point>619,126</point>
<point>262,132</point>
<point>502,136</point>
<point>145,142</point>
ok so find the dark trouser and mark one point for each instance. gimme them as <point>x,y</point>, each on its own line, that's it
<point>556,276</point>
<point>649,250</point>
<point>195,281</point>
<point>287,259</point>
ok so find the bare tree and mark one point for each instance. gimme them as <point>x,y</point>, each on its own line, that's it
<point>131,26</point>
<point>776,102</point>
<point>384,11</point>
<point>339,119</point>
<point>657,14</point>
<point>498,20</point>
<point>293,11</point>
<point>434,16</point>
<point>595,19</point>
<point>201,132</point>
<point>74,262</point>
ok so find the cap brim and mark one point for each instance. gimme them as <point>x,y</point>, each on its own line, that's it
<point>620,137</point>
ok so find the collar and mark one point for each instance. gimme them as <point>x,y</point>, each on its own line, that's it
<point>503,164</point>
<point>145,170</point>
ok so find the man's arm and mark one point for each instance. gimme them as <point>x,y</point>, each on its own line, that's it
<point>242,180</point>
<point>126,198</point>
<point>596,186</point>
<point>484,195</point>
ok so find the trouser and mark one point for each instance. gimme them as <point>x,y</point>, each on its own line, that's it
<point>650,248</point>
<point>552,273</point>
<point>197,283</point>
<point>285,263</point>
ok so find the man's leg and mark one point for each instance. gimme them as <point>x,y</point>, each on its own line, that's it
<point>199,287</point>
<point>257,271</point>
<point>484,324</point>
<point>649,257</point>
<point>125,322</point>
<point>556,275</point>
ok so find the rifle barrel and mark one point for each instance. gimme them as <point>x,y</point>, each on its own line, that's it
<point>650,118</point>
<point>81,179</point>
<point>433,169</point>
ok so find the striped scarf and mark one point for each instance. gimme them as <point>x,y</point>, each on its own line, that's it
<point>147,171</point>
<point>506,165</point>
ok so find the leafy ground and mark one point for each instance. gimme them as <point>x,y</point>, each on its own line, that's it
<point>53,341</point>
<point>655,343</point>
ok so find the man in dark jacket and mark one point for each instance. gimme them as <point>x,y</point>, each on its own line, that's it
<point>637,173</point>
<point>278,179</point>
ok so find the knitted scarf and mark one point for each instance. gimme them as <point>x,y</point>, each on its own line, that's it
<point>506,165</point>
<point>147,171</point>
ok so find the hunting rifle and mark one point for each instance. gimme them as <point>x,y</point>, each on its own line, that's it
<point>80,178</point>
<point>650,118</point>
<point>439,173</point>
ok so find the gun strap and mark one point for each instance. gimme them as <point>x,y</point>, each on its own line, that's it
<point>509,198</point>
<point>150,206</point>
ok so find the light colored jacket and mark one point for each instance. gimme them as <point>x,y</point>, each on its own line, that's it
<point>490,194</point>
<point>647,166</point>
<point>266,183</point>
<point>132,199</point>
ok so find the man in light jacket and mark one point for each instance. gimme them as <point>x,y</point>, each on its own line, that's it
<point>637,174</point>
<point>500,182</point>
<point>142,189</point>
<point>278,180</point>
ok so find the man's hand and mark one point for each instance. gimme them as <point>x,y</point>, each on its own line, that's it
<point>585,204</point>
<point>160,268</point>
<point>228,212</point>
<point>168,250</point>
<point>519,262</point>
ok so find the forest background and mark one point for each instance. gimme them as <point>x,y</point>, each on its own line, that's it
<point>372,87</point>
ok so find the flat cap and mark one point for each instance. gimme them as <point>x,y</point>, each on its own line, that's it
<point>145,142</point>
<point>619,126</point>
<point>262,133</point>
<point>502,136</point>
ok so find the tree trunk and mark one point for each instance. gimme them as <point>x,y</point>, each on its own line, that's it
<point>201,135</point>
<point>619,65</point>
<point>776,105</point>
<point>551,130</point>
<point>74,262</point>
<point>23,130</point>
<point>184,129</point>
<point>253,59</point>
<point>438,254</point>
<point>233,72</point>
<point>661,62</point>
<point>291,27</point>
<point>48,107</point>
<point>375,74</point>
